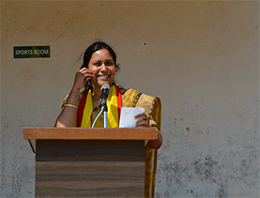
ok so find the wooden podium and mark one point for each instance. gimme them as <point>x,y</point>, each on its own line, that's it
<point>89,162</point>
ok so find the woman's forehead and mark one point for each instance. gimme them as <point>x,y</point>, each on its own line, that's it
<point>101,55</point>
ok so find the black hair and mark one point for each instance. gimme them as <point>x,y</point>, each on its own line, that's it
<point>88,54</point>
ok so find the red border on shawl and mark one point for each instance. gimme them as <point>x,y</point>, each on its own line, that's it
<point>81,108</point>
<point>119,102</point>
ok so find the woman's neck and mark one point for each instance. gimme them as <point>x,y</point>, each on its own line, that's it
<point>96,97</point>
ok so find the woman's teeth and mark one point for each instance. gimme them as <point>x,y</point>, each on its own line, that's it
<point>103,77</point>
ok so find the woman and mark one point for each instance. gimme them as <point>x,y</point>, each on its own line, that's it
<point>80,109</point>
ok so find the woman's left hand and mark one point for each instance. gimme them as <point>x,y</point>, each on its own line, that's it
<point>143,120</point>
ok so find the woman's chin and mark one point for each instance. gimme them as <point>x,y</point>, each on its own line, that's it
<point>102,82</point>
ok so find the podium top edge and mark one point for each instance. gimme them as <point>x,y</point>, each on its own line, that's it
<point>77,133</point>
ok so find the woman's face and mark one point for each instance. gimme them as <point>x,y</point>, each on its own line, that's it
<point>103,65</point>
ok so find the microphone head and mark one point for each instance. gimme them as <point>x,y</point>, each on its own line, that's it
<point>105,91</point>
<point>105,86</point>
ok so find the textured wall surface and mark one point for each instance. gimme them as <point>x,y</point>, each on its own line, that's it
<point>200,57</point>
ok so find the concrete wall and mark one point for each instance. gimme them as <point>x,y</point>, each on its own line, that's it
<point>200,57</point>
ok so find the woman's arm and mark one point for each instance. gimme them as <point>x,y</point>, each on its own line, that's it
<point>68,116</point>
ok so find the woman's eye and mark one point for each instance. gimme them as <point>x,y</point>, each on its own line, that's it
<point>109,63</point>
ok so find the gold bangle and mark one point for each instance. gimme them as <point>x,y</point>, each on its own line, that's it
<point>70,105</point>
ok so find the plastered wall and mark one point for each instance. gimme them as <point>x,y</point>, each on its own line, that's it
<point>200,57</point>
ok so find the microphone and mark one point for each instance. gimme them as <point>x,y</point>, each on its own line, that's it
<point>104,91</point>
<point>104,94</point>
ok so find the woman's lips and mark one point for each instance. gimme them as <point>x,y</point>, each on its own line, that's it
<point>103,77</point>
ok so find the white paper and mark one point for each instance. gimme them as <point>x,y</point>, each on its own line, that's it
<point>127,116</point>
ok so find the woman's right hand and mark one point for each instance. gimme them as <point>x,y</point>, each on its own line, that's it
<point>81,77</point>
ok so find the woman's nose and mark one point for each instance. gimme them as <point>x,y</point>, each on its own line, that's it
<point>103,67</point>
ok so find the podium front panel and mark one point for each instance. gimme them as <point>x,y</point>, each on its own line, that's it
<point>90,168</point>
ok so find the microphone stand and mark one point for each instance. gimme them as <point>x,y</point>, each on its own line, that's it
<point>103,103</point>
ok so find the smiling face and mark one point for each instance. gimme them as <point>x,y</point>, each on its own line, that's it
<point>103,65</point>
